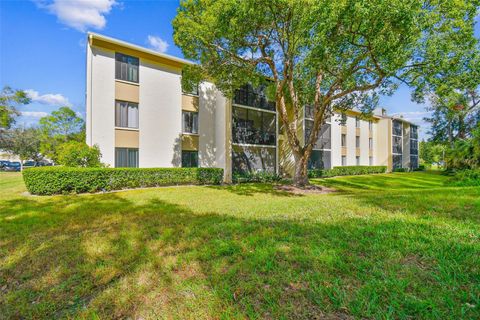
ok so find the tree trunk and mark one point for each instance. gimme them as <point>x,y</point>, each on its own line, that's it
<point>300,178</point>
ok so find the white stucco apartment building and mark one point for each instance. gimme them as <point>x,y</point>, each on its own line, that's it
<point>139,116</point>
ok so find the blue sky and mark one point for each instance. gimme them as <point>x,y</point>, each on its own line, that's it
<point>42,48</point>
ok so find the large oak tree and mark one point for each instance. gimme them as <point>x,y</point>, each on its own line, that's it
<point>322,53</point>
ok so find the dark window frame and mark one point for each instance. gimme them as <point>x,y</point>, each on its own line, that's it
<point>118,117</point>
<point>130,63</point>
<point>189,159</point>
<point>192,118</point>
<point>127,157</point>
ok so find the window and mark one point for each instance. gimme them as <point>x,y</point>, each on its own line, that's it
<point>126,67</point>
<point>190,122</point>
<point>343,119</point>
<point>193,92</point>
<point>126,114</point>
<point>370,125</point>
<point>397,128</point>
<point>344,140</point>
<point>370,143</point>
<point>357,122</point>
<point>357,141</point>
<point>344,160</point>
<point>189,159</point>
<point>413,132</point>
<point>357,159</point>
<point>126,157</point>
<point>370,161</point>
<point>397,145</point>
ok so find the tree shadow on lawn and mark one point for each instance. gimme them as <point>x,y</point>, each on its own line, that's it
<point>109,256</point>
<point>406,181</point>
<point>250,189</point>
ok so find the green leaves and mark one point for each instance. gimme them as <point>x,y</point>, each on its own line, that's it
<point>62,180</point>
<point>9,100</point>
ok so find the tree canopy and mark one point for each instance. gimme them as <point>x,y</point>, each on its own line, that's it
<point>322,53</point>
<point>9,100</point>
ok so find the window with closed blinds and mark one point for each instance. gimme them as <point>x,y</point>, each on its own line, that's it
<point>189,159</point>
<point>126,67</point>
<point>126,158</point>
<point>190,122</point>
<point>126,114</point>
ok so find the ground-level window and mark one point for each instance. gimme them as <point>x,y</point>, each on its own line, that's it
<point>344,160</point>
<point>370,161</point>
<point>357,159</point>
<point>126,158</point>
<point>189,159</point>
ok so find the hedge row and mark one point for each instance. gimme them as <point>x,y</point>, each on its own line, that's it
<point>62,180</point>
<point>346,171</point>
<point>263,177</point>
<point>466,178</point>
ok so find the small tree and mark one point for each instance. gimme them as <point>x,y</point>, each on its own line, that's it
<point>22,142</point>
<point>78,154</point>
<point>320,53</point>
<point>61,126</point>
<point>9,100</point>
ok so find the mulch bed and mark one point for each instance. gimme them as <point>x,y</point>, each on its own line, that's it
<point>310,189</point>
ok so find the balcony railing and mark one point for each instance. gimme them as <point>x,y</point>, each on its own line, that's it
<point>248,97</point>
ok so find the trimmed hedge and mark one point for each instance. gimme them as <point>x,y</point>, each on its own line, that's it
<point>64,180</point>
<point>346,171</point>
<point>264,177</point>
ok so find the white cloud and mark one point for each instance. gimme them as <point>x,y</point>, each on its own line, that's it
<point>34,114</point>
<point>157,43</point>
<point>50,98</point>
<point>79,14</point>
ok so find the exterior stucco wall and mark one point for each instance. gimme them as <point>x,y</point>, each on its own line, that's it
<point>206,125</point>
<point>160,115</point>
<point>101,102</point>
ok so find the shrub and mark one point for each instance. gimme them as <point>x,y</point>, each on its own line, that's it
<point>264,177</point>
<point>465,178</point>
<point>63,180</point>
<point>78,154</point>
<point>346,171</point>
<point>400,170</point>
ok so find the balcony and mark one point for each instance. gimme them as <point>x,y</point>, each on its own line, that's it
<point>247,96</point>
<point>253,136</point>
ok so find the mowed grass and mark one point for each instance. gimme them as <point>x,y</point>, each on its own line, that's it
<point>390,246</point>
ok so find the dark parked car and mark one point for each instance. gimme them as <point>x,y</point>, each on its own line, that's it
<point>13,166</point>
<point>30,164</point>
<point>3,163</point>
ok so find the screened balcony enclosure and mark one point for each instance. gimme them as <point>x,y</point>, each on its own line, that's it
<point>253,97</point>
<point>324,140</point>
<point>253,127</point>
<point>397,128</point>
<point>253,159</point>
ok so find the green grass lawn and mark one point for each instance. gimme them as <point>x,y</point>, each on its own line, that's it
<point>390,246</point>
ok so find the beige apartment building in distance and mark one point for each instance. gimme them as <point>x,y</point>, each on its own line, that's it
<point>139,116</point>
